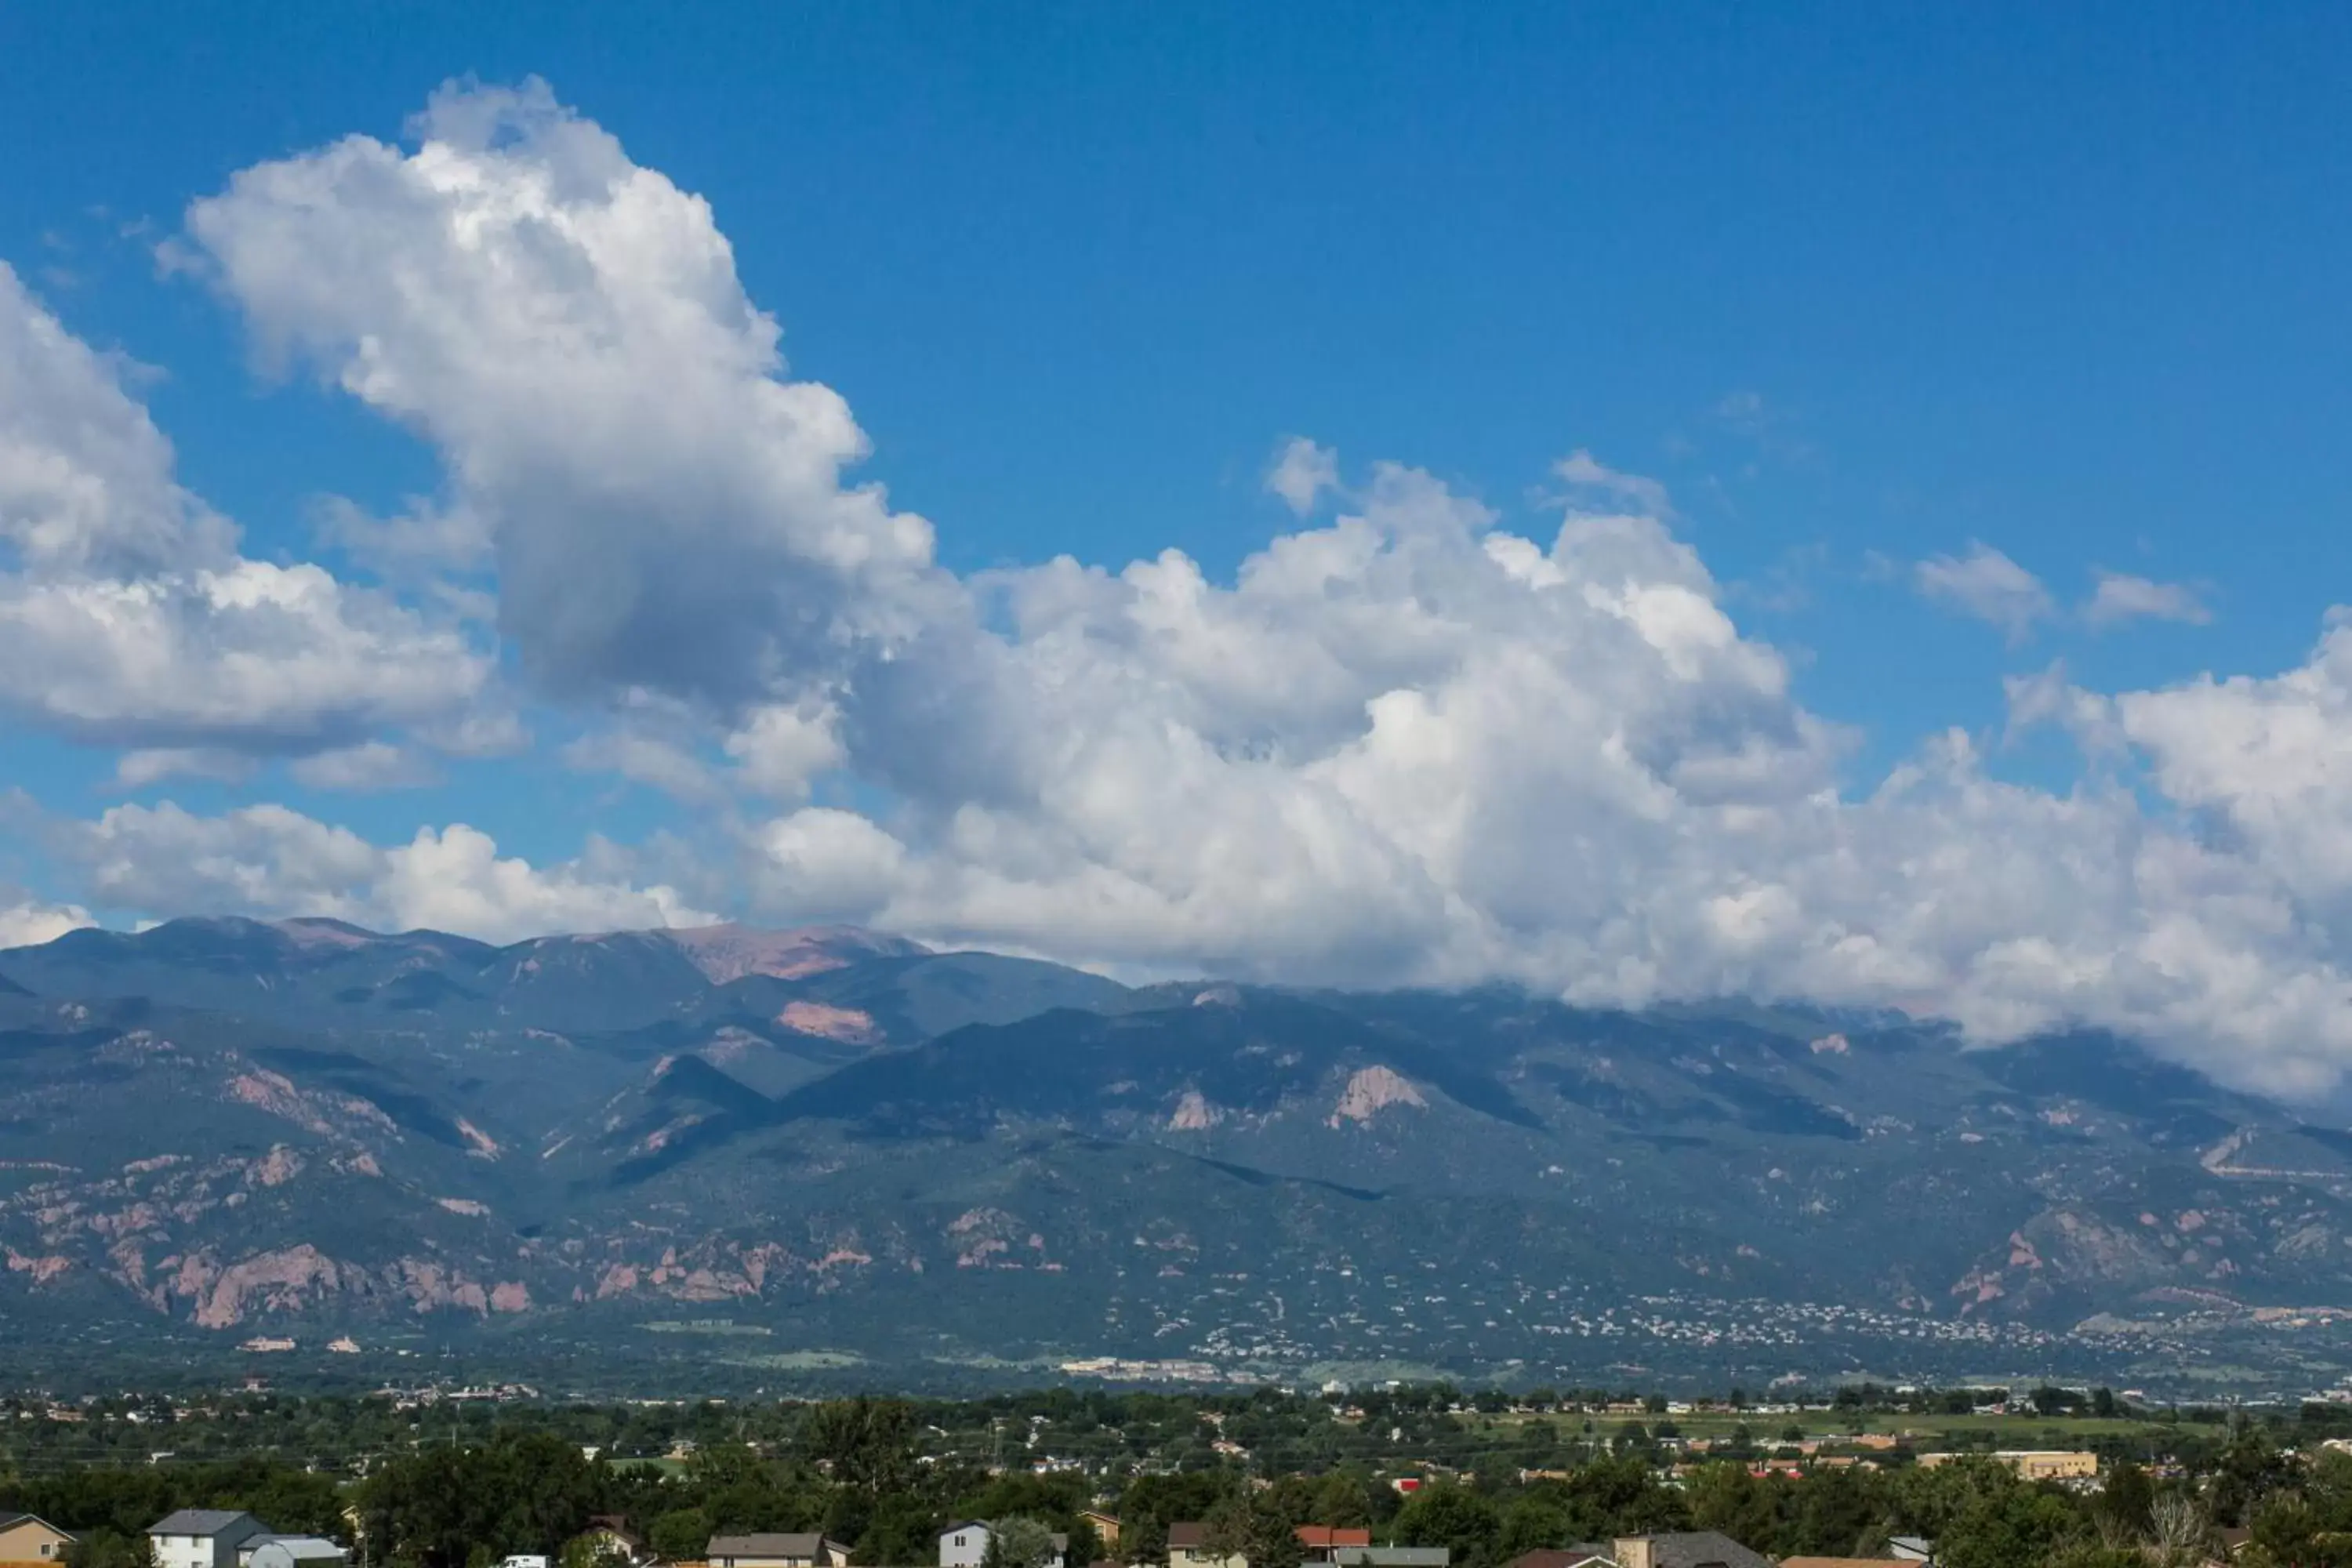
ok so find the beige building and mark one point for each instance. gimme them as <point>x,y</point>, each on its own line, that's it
<point>2032,1464</point>
<point>30,1541</point>
<point>776,1550</point>
<point>1188,1548</point>
<point>1685,1549</point>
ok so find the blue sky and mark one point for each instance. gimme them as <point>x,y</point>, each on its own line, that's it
<point>1860,287</point>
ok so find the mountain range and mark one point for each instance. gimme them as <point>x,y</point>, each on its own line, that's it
<point>726,1155</point>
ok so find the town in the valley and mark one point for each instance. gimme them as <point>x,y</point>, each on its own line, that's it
<point>1392,1476</point>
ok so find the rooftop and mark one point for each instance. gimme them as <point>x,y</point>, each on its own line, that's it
<point>206,1522</point>
<point>791,1543</point>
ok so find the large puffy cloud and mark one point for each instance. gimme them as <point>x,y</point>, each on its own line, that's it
<point>86,479</point>
<point>127,616</point>
<point>268,859</point>
<point>664,510</point>
<point>1410,745</point>
<point>1405,744</point>
<point>25,921</point>
<point>2268,762</point>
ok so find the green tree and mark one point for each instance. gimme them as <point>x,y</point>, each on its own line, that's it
<point>109,1548</point>
<point>1837,1513</point>
<point>902,1528</point>
<point>2124,1501</point>
<point>2251,1468</point>
<point>1142,1540</point>
<point>1455,1517</point>
<point>524,1493</point>
<point>1731,1498</point>
<point>1612,1497</point>
<point>864,1442</point>
<point>2097,1555</point>
<point>680,1535</point>
<point>1343,1498</point>
<point>1536,1519</point>
<point>1254,1529</point>
<point>1018,1542</point>
<point>593,1549</point>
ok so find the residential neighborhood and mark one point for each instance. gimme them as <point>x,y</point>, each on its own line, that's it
<point>1378,1476</point>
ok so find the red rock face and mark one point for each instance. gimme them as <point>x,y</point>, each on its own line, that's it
<point>278,1281</point>
<point>725,952</point>
<point>1370,1090</point>
<point>850,1025</point>
<point>42,1270</point>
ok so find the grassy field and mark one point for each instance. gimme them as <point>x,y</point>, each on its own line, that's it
<point>1965,1430</point>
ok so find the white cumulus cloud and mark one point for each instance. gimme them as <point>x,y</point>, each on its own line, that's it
<point>2120,598</point>
<point>271,860</point>
<point>1987,584</point>
<point>664,508</point>
<point>28,922</point>
<point>127,617</point>
<point>1302,471</point>
<point>1420,741</point>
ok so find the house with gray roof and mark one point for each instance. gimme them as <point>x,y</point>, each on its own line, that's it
<point>1685,1549</point>
<point>789,1549</point>
<point>202,1537</point>
<point>30,1540</point>
<point>292,1551</point>
<point>964,1545</point>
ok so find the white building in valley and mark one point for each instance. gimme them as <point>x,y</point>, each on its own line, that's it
<point>202,1537</point>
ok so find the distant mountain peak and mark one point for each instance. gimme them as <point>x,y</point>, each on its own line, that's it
<point>322,931</point>
<point>730,952</point>
<point>222,1121</point>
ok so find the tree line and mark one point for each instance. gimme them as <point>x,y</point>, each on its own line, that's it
<point>865,1472</point>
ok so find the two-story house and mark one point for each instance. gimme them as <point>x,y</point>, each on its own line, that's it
<point>787,1549</point>
<point>964,1545</point>
<point>28,1541</point>
<point>1188,1547</point>
<point>202,1537</point>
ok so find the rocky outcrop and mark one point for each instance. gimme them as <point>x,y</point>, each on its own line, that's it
<point>849,1026</point>
<point>1372,1090</point>
<point>285,1281</point>
<point>326,1113</point>
<point>276,1168</point>
<point>1193,1114</point>
<point>41,1269</point>
<point>433,1285</point>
